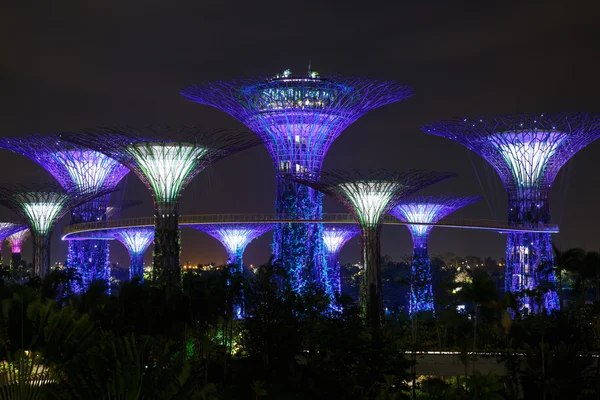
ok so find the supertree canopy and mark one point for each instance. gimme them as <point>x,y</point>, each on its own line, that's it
<point>298,118</point>
<point>527,151</point>
<point>427,210</point>
<point>16,241</point>
<point>335,237</point>
<point>235,238</point>
<point>136,240</point>
<point>369,196</point>
<point>166,160</point>
<point>81,170</point>
<point>42,206</point>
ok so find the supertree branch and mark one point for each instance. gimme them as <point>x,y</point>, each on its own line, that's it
<point>368,196</point>
<point>298,117</point>
<point>428,210</point>
<point>136,240</point>
<point>234,237</point>
<point>42,206</point>
<point>335,237</point>
<point>15,241</point>
<point>527,151</point>
<point>165,159</point>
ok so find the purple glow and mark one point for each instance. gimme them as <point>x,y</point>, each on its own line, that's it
<point>136,240</point>
<point>16,240</point>
<point>335,237</point>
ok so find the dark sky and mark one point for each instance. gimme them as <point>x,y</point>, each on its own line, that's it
<point>73,64</point>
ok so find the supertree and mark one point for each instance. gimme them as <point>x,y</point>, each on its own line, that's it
<point>165,159</point>
<point>426,210</point>
<point>369,196</point>
<point>16,241</point>
<point>235,238</point>
<point>335,237</point>
<point>298,118</point>
<point>136,240</point>
<point>82,170</point>
<point>8,229</point>
<point>41,206</point>
<point>527,151</point>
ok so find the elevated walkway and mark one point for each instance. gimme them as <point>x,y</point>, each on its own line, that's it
<point>79,231</point>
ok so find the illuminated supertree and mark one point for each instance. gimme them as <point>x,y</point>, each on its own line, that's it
<point>136,240</point>
<point>527,151</point>
<point>41,206</point>
<point>16,241</point>
<point>335,237</point>
<point>428,210</point>
<point>298,118</point>
<point>368,197</point>
<point>84,171</point>
<point>166,160</point>
<point>235,238</point>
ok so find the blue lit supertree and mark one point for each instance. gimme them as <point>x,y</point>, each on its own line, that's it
<point>335,237</point>
<point>165,159</point>
<point>298,118</point>
<point>235,238</point>
<point>42,206</point>
<point>84,171</point>
<point>369,196</point>
<point>136,240</point>
<point>427,210</point>
<point>16,241</point>
<point>527,151</point>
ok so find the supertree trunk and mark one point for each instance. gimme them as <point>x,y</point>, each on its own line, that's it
<point>371,296</point>
<point>136,268</point>
<point>529,256</point>
<point>299,247</point>
<point>333,273</point>
<point>166,242</point>
<point>15,259</point>
<point>90,257</point>
<point>41,255</point>
<point>421,296</point>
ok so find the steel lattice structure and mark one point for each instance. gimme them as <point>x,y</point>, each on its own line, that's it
<point>335,237</point>
<point>165,159</point>
<point>136,240</point>
<point>15,241</point>
<point>428,209</point>
<point>298,118</point>
<point>114,210</point>
<point>42,206</point>
<point>527,151</point>
<point>369,196</point>
<point>81,170</point>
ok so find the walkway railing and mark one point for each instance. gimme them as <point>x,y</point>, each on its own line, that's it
<point>328,218</point>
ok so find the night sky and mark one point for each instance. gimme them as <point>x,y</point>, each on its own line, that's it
<point>74,64</point>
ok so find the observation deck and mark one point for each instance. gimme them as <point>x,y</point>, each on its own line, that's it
<point>87,229</point>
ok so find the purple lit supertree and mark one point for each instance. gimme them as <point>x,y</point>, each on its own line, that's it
<point>165,159</point>
<point>235,238</point>
<point>42,206</point>
<point>7,229</point>
<point>298,118</point>
<point>369,196</point>
<point>16,241</point>
<point>136,240</point>
<point>527,151</point>
<point>85,171</point>
<point>335,237</point>
<point>426,210</point>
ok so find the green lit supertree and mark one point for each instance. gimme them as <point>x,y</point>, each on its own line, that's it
<point>369,196</point>
<point>42,206</point>
<point>165,159</point>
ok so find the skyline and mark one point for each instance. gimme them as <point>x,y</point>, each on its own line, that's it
<point>454,71</point>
